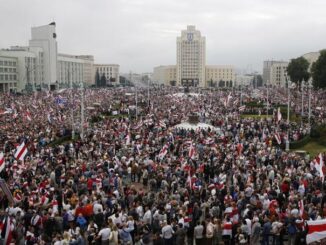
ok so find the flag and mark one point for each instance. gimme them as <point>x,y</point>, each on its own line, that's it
<point>21,152</point>
<point>239,148</point>
<point>162,124</point>
<point>6,230</point>
<point>279,115</point>
<point>242,108</point>
<point>319,164</point>
<point>301,207</point>
<point>49,118</point>
<point>189,179</point>
<point>163,151</point>
<point>2,162</point>
<point>192,151</point>
<point>28,115</point>
<point>227,100</point>
<point>278,138</point>
<point>316,230</point>
<point>128,139</point>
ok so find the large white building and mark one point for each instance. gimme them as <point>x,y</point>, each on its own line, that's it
<point>39,65</point>
<point>222,76</point>
<point>8,73</point>
<point>44,37</point>
<point>166,75</point>
<point>72,69</point>
<point>191,57</point>
<point>110,71</point>
<point>191,68</point>
<point>275,73</point>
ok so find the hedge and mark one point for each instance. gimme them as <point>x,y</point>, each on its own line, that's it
<point>300,143</point>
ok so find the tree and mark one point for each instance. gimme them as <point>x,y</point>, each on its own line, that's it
<point>259,80</point>
<point>298,70</point>
<point>103,80</point>
<point>97,79</point>
<point>173,83</point>
<point>318,71</point>
<point>221,83</point>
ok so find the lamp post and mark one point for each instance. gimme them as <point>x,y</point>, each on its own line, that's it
<point>82,115</point>
<point>287,142</point>
<point>302,93</point>
<point>309,101</point>
<point>267,103</point>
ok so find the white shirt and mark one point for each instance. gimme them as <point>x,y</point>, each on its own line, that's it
<point>97,208</point>
<point>147,218</point>
<point>105,234</point>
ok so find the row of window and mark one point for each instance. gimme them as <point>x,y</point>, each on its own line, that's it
<point>7,77</point>
<point>5,69</point>
<point>7,63</point>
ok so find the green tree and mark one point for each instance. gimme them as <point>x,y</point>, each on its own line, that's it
<point>103,80</point>
<point>173,83</point>
<point>298,70</point>
<point>259,80</point>
<point>97,78</point>
<point>318,71</point>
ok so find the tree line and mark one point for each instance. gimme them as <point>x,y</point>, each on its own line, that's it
<point>298,70</point>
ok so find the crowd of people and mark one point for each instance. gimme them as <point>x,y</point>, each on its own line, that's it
<point>133,177</point>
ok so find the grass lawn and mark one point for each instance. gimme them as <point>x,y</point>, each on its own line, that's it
<point>313,147</point>
<point>255,116</point>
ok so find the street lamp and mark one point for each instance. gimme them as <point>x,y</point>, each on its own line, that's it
<point>302,93</point>
<point>309,115</point>
<point>287,142</point>
<point>267,104</point>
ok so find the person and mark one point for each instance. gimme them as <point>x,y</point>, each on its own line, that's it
<point>180,235</point>
<point>104,235</point>
<point>227,230</point>
<point>114,235</point>
<point>124,234</point>
<point>167,233</point>
<point>256,229</point>
<point>199,233</point>
<point>266,231</point>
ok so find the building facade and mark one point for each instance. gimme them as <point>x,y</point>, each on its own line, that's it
<point>26,67</point>
<point>110,71</point>
<point>166,75</point>
<point>222,76</point>
<point>8,74</point>
<point>275,73</point>
<point>191,58</point>
<point>73,70</point>
<point>44,37</point>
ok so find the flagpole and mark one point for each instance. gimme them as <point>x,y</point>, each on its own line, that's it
<point>82,111</point>
<point>287,143</point>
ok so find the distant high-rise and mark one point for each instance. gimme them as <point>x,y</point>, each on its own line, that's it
<point>45,38</point>
<point>191,58</point>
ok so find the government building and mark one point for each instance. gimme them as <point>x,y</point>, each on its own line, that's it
<point>40,66</point>
<point>191,68</point>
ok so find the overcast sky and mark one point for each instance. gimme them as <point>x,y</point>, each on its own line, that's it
<point>141,34</point>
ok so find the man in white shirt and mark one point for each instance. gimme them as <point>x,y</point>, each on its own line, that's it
<point>97,208</point>
<point>147,218</point>
<point>104,234</point>
<point>167,233</point>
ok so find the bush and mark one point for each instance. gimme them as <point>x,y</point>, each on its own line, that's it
<point>300,143</point>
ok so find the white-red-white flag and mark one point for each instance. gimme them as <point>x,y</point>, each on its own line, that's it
<point>163,151</point>
<point>2,162</point>
<point>128,139</point>
<point>316,230</point>
<point>192,151</point>
<point>242,108</point>
<point>319,164</point>
<point>21,152</point>
<point>279,115</point>
<point>301,207</point>
<point>28,115</point>
<point>278,138</point>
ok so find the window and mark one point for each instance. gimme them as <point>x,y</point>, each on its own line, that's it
<point>1,77</point>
